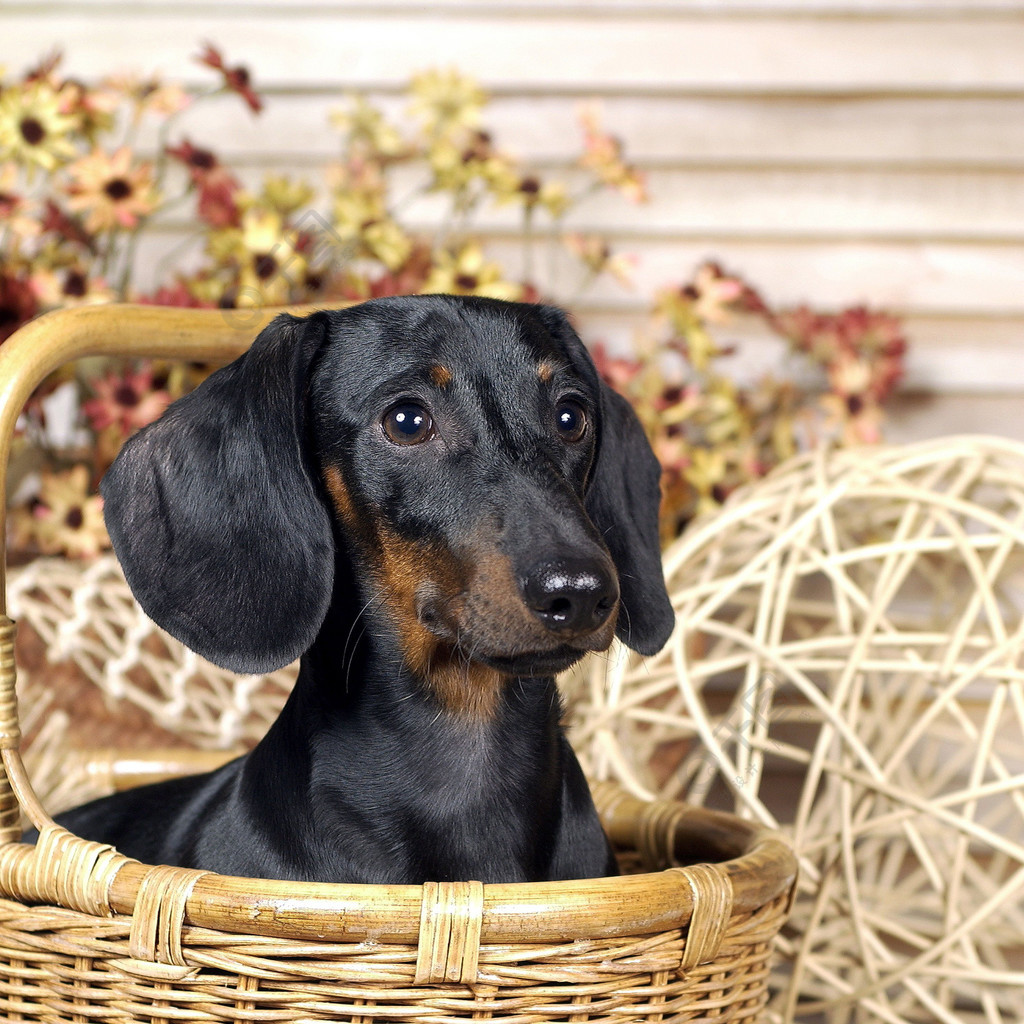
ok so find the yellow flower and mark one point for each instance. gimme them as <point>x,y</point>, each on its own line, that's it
<point>452,171</point>
<point>93,108</point>
<point>354,208</point>
<point>850,376</point>
<point>468,273</point>
<point>715,292</point>
<point>706,473</point>
<point>67,519</point>
<point>264,255</point>
<point>681,308</point>
<point>284,195</point>
<point>723,413</point>
<point>34,129</point>
<point>205,287</point>
<point>446,101</point>
<point>110,191</point>
<point>361,217</point>
<point>150,95</point>
<point>162,99</point>
<point>16,214</point>
<point>385,240</point>
<point>274,265</point>
<point>359,191</point>
<point>596,255</point>
<point>458,161</point>
<point>510,186</point>
<point>364,126</point>
<point>69,286</point>
<point>851,407</point>
<point>603,155</point>
<point>549,194</point>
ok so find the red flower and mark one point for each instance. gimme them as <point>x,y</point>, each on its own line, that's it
<point>17,304</point>
<point>200,162</point>
<point>614,370</point>
<point>216,185</point>
<point>236,79</point>
<point>127,399</point>
<point>68,228</point>
<point>854,336</point>
<point>45,70</point>
<point>217,204</point>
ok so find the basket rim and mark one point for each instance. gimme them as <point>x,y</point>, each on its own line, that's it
<point>760,864</point>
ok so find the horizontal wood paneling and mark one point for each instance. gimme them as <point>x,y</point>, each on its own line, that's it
<point>657,54</point>
<point>950,351</point>
<point>832,151</point>
<point>915,279</point>
<point>888,132</point>
<point>752,205</point>
<point>943,349</point>
<point>501,9</point>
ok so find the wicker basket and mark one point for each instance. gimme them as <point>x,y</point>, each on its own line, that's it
<point>87,934</point>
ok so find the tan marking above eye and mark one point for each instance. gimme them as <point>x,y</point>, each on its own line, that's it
<point>440,375</point>
<point>545,371</point>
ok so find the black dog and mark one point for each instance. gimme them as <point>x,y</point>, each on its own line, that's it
<point>436,503</point>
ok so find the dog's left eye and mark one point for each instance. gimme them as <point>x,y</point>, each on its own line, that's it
<point>408,423</point>
<point>571,420</point>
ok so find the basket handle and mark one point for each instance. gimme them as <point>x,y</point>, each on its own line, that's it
<point>27,358</point>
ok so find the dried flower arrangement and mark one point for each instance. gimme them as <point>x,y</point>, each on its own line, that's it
<point>76,196</point>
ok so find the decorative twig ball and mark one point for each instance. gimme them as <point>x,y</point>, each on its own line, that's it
<point>848,664</point>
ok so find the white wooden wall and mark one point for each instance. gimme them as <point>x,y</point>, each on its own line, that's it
<point>833,151</point>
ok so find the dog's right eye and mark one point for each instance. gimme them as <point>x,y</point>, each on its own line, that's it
<point>571,420</point>
<point>408,423</point>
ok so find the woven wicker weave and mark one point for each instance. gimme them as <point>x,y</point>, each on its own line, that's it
<point>849,666</point>
<point>89,935</point>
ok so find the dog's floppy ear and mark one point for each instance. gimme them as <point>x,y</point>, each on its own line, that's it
<point>214,513</point>
<point>622,500</point>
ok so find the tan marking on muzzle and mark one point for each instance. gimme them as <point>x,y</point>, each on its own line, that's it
<point>341,499</point>
<point>400,567</point>
<point>462,686</point>
<point>495,597</point>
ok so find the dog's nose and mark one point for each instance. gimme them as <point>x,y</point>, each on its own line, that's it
<point>571,596</point>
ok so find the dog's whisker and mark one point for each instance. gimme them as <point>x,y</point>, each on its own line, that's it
<point>347,658</point>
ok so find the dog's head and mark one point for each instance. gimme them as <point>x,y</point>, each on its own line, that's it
<point>496,500</point>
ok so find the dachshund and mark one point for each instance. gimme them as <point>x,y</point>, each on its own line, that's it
<point>437,505</point>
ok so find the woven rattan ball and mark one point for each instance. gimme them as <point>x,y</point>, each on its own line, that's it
<point>848,664</point>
